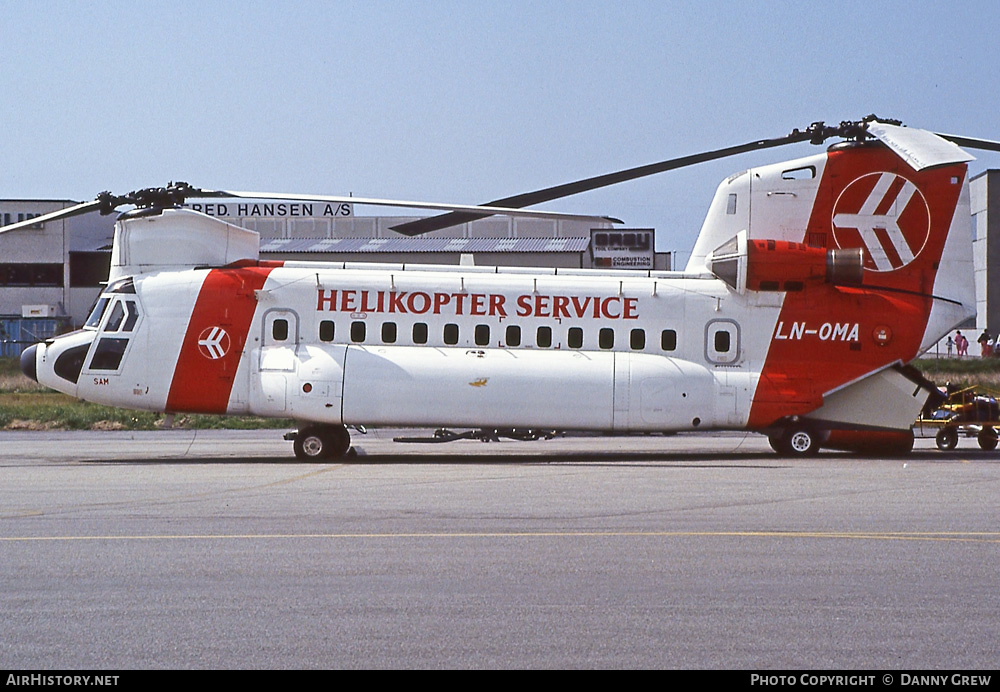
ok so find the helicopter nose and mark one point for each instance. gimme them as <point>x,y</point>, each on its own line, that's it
<point>28,362</point>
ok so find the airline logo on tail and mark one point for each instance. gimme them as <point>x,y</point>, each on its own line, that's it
<point>886,215</point>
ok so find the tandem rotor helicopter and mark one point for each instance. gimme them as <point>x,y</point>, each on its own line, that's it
<point>812,285</point>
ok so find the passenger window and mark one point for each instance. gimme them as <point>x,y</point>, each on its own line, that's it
<point>358,332</point>
<point>543,337</point>
<point>668,340</point>
<point>326,330</point>
<point>804,173</point>
<point>722,342</point>
<point>575,337</point>
<point>606,338</point>
<point>388,332</point>
<point>513,336</point>
<point>482,335</point>
<point>420,333</point>
<point>451,334</point>
<point>637,339</point>
<point>279,330</point>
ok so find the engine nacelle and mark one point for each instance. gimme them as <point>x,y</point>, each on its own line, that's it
<point>781,265</point>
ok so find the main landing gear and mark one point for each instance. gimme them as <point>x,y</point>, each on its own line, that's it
<point>800,439</point>
<point>320,442</point>
<point>795,441</point>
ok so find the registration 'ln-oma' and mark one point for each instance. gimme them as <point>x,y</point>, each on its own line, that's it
<point>812,285</point>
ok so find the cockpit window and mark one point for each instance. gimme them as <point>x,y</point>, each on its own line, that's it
<point>123,286</point>
<point>97,313</point>
<point>123,316</point>
<point>115,320</point>
<point>133,316</point>
<point>70,362</point>
<point>108,355</point>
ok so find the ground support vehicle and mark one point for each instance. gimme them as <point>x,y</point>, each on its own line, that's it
<point>969,412</point>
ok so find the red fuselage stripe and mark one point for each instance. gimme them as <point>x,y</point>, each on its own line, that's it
<point>215,339</point>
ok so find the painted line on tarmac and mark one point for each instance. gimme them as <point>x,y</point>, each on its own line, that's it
<point>961,537</point>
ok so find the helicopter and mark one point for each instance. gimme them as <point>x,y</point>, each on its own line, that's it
<point>812,286</point>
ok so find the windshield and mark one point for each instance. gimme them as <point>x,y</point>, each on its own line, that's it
<point>97,313</point>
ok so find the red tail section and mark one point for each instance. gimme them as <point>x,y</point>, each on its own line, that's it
<point>827,335</point>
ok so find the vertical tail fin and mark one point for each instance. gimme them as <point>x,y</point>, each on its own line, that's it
<point>913,229</point>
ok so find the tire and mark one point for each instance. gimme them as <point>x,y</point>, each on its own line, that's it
<point>799,442</point>
<point>988,439</point>
<point>321,442</point>
<point>946,439</point>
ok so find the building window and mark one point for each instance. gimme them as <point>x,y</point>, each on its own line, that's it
<point>88,269</point>
<point>24,274</point>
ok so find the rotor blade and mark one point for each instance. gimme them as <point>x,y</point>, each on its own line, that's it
<point>480,210</point>
<point>75,210</point>
<point>919,148</point>
<point>971,142</point>
<point>550,193</point>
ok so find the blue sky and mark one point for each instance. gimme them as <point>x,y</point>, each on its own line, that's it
<point>468,101</point>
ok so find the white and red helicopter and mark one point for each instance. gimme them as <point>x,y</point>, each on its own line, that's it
<point>812,285</point>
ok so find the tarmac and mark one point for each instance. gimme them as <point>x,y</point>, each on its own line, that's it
<point>217,549</point>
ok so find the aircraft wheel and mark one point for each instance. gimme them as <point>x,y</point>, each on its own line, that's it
<point>800,442</point>
<point>988,438</point>
<point>316,442</point>
<point>947,439</point>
